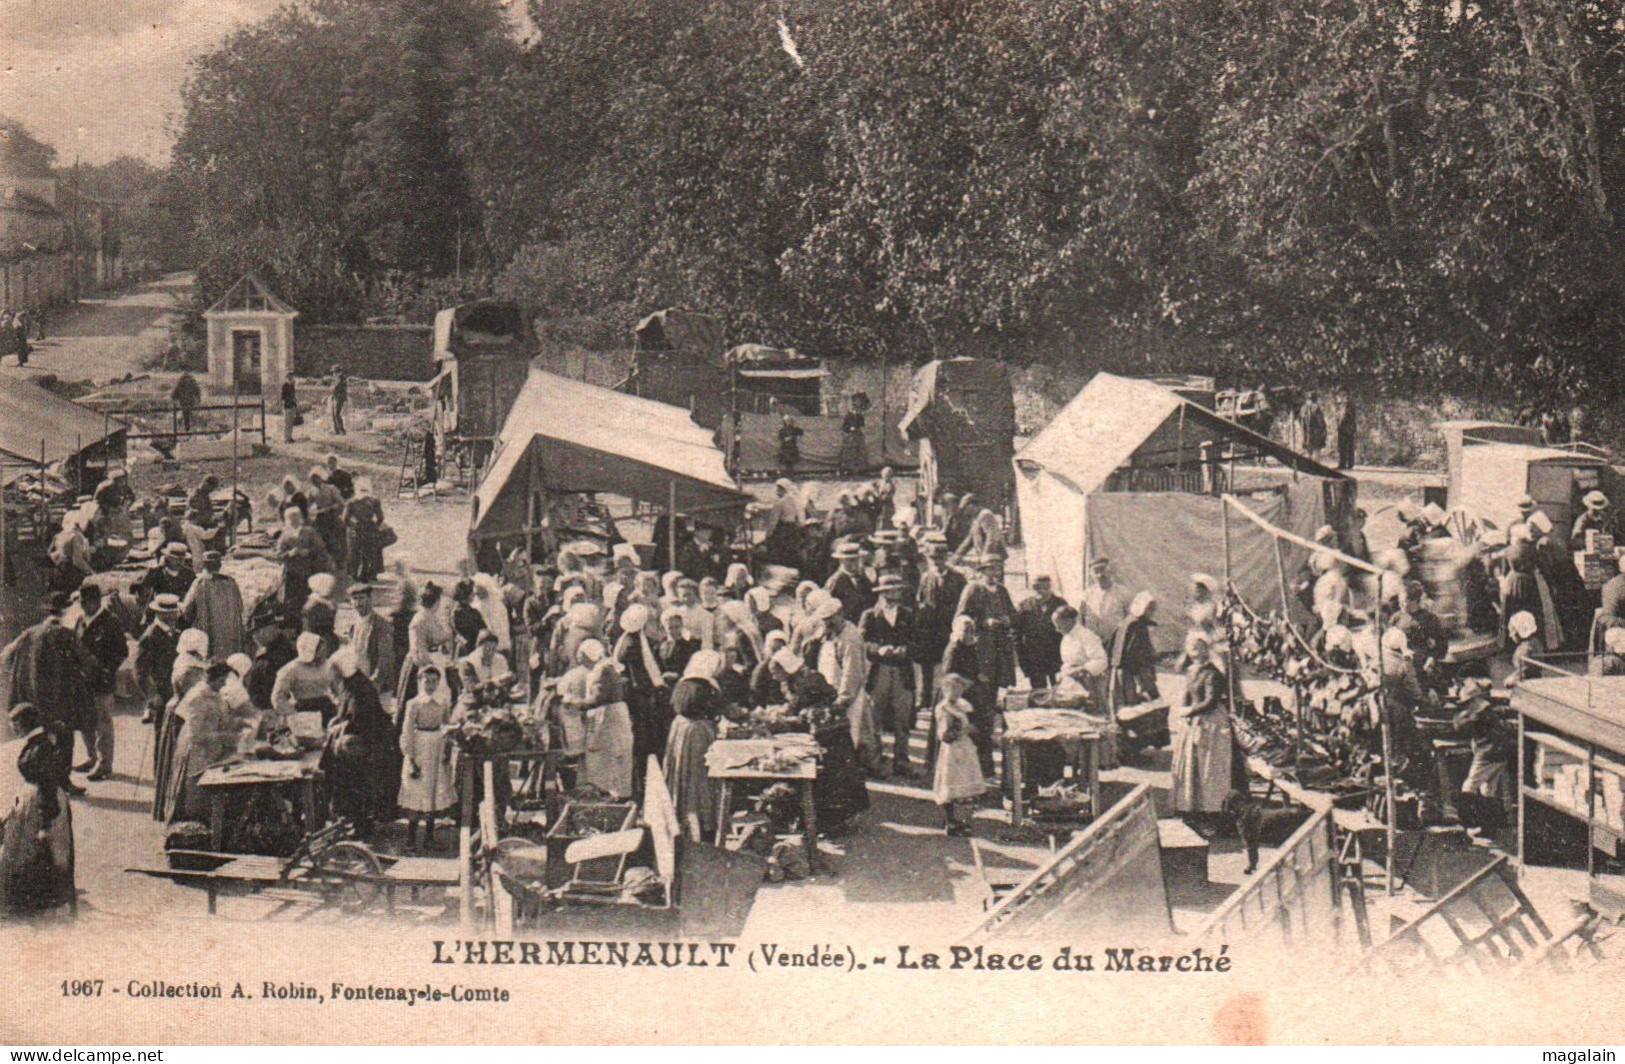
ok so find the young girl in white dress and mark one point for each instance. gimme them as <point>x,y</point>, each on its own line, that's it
<point>959,773</point>
<point>428,785</point>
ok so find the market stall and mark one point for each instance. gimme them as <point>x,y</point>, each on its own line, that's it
<point>1131,471</point>
<point>1571,778</point>
<point>1325,738</point>
<point>1072,736</point>
<point>567,437</point>
<point>788,757</point>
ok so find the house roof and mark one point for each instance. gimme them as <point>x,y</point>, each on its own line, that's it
<point>1530,453</point>
<point>30,415</point>
<point>1114,418</point>
<point>17,199</point>
<point>250,294</point>
<point>592,439</point>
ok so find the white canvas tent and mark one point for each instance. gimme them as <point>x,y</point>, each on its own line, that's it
<point>1129,470</point>
<point>567,436</point>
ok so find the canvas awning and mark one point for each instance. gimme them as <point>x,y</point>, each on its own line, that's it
<point>30,416</point>
<point>1070,512</point>
<point>1117,418</point>
<point>589,439</point>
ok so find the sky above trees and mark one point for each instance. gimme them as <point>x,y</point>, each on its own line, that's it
<point>102,78</point>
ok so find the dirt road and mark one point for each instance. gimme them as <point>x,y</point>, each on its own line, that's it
<point>108,336</point>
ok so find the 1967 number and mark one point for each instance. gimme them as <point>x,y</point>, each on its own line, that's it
<point>81,988</point>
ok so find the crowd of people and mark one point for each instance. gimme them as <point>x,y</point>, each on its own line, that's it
<point>864,622</point>
<point>207,667</point>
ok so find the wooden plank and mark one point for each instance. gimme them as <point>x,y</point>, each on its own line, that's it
<point>1308,857</point>
<point>1108,876</point>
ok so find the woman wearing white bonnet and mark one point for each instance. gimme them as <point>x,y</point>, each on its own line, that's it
<point>573,695</point>
<point>1523,631</point>
<point>320,612</point>
<point>607,761</point>
<point>191,666</point>
<point>305,684</point>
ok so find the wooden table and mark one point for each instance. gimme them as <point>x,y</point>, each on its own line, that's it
<point>1578,721</point>
<point>802,775</point>
<point>225,780</point>
<point>1087,738</point>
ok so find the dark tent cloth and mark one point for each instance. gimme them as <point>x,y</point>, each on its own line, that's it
<point>48,668</point>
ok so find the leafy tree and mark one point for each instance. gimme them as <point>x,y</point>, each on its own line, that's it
<point>315,145</point>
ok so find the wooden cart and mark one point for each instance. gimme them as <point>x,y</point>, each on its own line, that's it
<point>330,869</point>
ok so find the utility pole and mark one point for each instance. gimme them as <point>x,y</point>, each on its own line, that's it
<point>73,228</point>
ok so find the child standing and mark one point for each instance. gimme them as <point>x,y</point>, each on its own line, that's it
<point>958,773</point>
<point>428,785</point>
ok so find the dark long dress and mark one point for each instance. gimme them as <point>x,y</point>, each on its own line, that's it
<point>35,874</point>
<point>1134,657</point>
<point>697,705</point>
<point>1520,589</point>
<point>841,790</point>
<point>650,706</point>
<point>362,760</point>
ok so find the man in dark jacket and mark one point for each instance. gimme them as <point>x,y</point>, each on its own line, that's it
<point>887,630</point>
<point>290,410</point>
<point>341,396</point>
<point>49,670</point>
<point>172,576</point>
<point>935,601</point>
<point>187,395</point>
<point>106,643</point>
<point>848,583</point>
<point>1038,644</point>
<point>155,654</point>
<point>701,557</point>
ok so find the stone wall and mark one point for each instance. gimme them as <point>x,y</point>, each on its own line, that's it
<point>374,352</point>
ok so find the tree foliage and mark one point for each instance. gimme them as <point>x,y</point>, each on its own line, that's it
<point>1427,190</point>
<point>316,145</point>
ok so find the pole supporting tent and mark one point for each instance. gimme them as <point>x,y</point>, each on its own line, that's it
<point>1279,535</point>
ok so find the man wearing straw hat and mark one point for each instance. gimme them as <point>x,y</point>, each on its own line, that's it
<point>1598,516</point>
<point>887,629</point>
<point>848,583</point>
<point>155,654</point>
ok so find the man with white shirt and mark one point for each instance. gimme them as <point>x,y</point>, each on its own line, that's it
<point>488,665</point>
<point>1083,661</point>
<point>845,664</point>
<point>1105,605</point>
